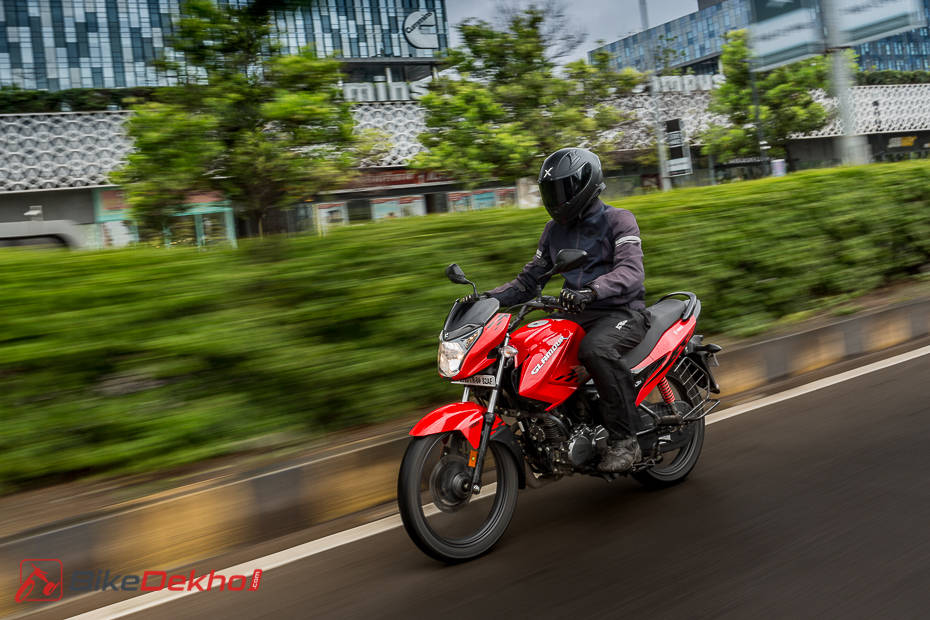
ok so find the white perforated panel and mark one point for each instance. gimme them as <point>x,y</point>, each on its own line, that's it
<point>47,151</point>
<point>882,109</point>
<point>638,134</point>
<point>401,121</point>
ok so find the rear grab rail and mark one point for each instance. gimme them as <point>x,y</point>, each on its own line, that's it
<point>693,303</point>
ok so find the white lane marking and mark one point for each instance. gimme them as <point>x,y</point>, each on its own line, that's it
<point>816,385</point>
<point>266,563</point>
<point>153,599</point>
<point>287,556</point>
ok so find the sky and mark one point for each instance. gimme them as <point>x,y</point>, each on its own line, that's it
<point>602,19</point>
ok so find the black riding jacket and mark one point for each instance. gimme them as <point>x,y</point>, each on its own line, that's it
<point>614,267</point>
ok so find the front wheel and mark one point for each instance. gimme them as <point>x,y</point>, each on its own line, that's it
<point>444,520</point>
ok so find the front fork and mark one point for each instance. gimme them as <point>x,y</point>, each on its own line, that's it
<point>488,420</point>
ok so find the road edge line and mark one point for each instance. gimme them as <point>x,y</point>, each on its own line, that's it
<point>361,532</point>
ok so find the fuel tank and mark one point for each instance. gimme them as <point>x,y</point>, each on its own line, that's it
<point>547,359</point>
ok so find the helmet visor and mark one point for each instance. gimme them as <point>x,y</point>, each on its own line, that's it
<point>557,193</point>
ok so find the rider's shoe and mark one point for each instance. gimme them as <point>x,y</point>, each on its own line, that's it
<point>620,456</point>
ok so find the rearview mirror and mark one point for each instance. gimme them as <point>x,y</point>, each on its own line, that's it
<point>455,274</point>
<point>566,260</point>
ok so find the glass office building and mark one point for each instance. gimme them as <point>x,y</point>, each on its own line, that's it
<point>59,44</point>
<point>909,51</point>
<point>696,41</point>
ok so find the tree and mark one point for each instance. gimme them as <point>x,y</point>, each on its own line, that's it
<point>786,103</point>
<point>266,130</point>
<point>505,108</point>
<point>667,55</point>
<point>559,34</point>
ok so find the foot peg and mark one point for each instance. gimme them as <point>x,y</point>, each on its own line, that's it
<point>671,414</point>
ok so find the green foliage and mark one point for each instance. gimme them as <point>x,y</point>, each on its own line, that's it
<point>171,152</point>
<point>140,358</point>
<point>15,100</point>
<point>786,106</point>
<point>507,108</point>
<point>668,54</point>
<point>266,130</point>
<point>869,78</point>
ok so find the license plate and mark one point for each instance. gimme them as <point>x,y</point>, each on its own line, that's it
<point>478,381</point>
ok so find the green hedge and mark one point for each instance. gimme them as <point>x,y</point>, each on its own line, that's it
<point>15,100</point>
<point>890,76</point>
<point>135,359</point>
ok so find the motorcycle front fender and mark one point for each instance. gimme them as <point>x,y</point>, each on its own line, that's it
<point>468,419</point>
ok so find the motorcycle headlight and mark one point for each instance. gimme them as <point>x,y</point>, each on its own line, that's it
<point>452,353</point>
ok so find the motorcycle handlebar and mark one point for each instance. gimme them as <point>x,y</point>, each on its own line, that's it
<point>546,302</point>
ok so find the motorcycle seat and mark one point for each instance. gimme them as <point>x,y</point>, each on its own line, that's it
<point>661,316</point>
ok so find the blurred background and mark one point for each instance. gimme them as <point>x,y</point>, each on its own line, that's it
<point>224,224</point>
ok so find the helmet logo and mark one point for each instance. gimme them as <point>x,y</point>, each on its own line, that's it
<point>548,172</point>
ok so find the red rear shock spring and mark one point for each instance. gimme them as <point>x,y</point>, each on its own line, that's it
<point>666,391</point>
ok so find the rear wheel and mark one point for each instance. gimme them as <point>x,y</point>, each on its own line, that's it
<point>680,450</point>
<point>439,513</point>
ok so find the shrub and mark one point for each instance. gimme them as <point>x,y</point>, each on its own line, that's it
<point>140,358</point>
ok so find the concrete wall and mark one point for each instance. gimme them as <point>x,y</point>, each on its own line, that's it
<point>76,205</point>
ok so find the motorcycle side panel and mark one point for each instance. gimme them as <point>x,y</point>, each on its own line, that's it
<point>467,418</point>
<point>491,336</point>
<point>548,356</point>
<point>661,359</point>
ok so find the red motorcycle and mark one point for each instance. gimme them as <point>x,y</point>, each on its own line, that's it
<point>529,404</point>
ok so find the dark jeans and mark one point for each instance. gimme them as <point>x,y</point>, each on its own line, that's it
<point>608,335</point>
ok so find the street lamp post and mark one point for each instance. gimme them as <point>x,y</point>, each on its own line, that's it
<point>853,147</point>
<point>653,82</point>
<point>760,139</point>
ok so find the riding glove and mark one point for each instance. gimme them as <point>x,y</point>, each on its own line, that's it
<point>575,301</point>
<point>472,297</point>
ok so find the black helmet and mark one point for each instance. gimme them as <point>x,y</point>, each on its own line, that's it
<point>569,181</point>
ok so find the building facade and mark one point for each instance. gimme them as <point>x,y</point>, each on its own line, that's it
<point>60,44</point>
<point>696,40</point>
<point>58,165</point>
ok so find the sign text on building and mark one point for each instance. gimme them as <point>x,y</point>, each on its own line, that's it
<point>384,91</point>
<point>420,30</point>
<point>683,83</point>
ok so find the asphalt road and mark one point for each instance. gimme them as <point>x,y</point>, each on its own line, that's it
<point>818,506</point>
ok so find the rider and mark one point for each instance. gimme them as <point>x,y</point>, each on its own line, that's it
<point>605,295</point>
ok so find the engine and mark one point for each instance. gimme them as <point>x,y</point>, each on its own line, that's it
<point>586,444</point>
<point>556,448</point>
